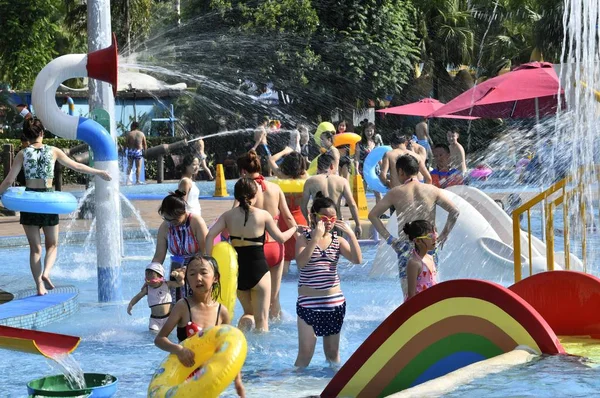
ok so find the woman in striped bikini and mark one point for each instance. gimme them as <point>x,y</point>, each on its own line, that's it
<point>181,233</point>
<point>321,305</point>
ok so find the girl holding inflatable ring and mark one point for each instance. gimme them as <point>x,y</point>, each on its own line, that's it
<point>37,161</point>
<point>199,311</point>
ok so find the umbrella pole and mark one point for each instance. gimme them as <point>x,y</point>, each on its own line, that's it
<point>537,117</point>
<point>469,137</point>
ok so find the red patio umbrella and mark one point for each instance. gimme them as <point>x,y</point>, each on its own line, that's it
<point>424,107</point>
<point>530,90</point>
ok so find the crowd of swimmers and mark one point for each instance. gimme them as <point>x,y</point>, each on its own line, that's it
<point>268,229</point>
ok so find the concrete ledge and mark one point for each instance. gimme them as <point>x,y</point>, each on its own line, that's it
<point>28,311</point>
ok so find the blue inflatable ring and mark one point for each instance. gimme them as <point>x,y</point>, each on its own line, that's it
<point>370,168</point>
<point>17,199</point>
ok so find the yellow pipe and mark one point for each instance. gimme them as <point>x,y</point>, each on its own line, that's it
<point>596,92</point>
<point>566,228</point>
<point>549,236</point>
<point>583,233</point>
<point>529,240</point>
<point>517,245</point>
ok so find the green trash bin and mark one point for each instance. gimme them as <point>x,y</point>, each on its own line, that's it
<point>98,385</point>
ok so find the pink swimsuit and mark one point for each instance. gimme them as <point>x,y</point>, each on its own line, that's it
<point>426,278</point>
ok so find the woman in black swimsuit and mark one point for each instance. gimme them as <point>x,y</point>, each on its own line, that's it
<point>196,312</point>
<point>246,225</point>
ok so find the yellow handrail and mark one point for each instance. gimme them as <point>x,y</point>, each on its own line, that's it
<point>557,194</point>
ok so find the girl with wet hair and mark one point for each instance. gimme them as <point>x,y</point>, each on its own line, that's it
<point>421,267</point>
<point>247,226</point>
<point>321,305</point>
<point>37,161</point>
<point>181,233</point>
<point>292,166</point>
<point>269,197</point>
<point>198,311</point>
<point>189,168</point>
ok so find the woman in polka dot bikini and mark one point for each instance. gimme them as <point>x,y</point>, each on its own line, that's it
<point>321,305</point>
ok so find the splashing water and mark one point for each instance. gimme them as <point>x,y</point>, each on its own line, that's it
<point>140,221</point>
<point>578,126</point>
<point>69,367</point>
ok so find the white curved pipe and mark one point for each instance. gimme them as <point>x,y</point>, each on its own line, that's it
<point>44,93</point>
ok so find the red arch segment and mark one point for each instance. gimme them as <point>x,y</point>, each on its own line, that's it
<point>568,300</point>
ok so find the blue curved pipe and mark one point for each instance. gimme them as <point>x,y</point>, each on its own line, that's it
<point>98,139</point>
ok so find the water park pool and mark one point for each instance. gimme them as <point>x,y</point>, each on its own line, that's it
<point>116,343</point>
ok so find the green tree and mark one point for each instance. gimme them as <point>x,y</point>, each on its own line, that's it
<point>27,40</point>
<point>323,54</point>
<point>368,48</point>
<point>446,37</point>
<point>130,20</point>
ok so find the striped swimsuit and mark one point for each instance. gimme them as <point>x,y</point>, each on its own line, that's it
<point>182,243</point>
<point>324,313</point>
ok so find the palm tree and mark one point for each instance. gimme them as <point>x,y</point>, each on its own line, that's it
<point>446,37</point>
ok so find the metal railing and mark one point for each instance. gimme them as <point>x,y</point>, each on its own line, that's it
<point>562,193</point>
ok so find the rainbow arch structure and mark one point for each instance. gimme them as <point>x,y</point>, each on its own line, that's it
<point>449,326</point>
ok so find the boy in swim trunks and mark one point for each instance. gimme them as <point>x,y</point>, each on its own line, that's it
<point>136,145</point>
<point>159,295</point>
<point>413,201</point>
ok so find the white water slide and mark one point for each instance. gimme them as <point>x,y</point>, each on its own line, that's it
<point>480,245</point>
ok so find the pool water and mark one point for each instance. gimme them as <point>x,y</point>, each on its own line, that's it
<point>114,342</point>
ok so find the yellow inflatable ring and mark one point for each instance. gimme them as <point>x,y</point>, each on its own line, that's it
<point>226,257</point>
<point>347,139</point>
<point>289,185</point>
<point>220,352</point>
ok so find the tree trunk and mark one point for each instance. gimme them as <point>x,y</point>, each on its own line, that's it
<point>178,11</point>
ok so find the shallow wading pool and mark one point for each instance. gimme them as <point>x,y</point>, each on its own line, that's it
<point>116,343</point>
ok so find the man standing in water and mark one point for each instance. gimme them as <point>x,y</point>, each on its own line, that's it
<point>331,186</point>
<point>136,146</point>
<point>413,201</point>
<point>457,152</point>
<point>388,162</point>
<point>423,138</point>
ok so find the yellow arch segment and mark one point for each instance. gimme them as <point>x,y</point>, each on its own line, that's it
<point>425,318</point>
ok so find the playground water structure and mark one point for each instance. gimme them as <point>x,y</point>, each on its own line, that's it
<point>103,66</point>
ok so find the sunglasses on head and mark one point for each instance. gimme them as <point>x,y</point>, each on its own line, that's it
<point>325,218</point>
<point>431,235</point>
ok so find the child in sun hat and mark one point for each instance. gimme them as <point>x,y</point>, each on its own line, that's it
<point>158,291</point>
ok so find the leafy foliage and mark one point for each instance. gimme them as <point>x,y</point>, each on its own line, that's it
<point>27,40</point>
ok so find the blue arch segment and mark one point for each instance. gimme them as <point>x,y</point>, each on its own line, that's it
<point>449,364</point>
<point>98,139</point>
